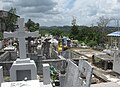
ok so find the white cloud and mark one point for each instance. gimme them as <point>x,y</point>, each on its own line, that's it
<point>60,12</point>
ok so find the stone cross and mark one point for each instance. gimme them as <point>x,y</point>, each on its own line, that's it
<point>10,42</point>
<point>21,34</point>
<point>115,44</point>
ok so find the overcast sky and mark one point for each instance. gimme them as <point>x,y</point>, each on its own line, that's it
<point>60,12</point>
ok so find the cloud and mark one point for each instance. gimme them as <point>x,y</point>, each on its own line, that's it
<point>60,12</point>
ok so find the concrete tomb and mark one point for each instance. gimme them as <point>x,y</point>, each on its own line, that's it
<point>116,62</point>
<point>22,67</point>
<point>78,76</point>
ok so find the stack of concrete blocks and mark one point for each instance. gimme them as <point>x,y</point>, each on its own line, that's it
<point>78,76</point>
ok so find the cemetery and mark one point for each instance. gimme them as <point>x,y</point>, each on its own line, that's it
<point>34,55</point>
<point>23,70</point>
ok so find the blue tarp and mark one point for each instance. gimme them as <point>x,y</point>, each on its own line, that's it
<point>116,34</point>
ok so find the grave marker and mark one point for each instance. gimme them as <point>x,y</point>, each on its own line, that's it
<point>1,75</point>
<point>22,67</point>
<point>78,76</point>
<point>21,34</point>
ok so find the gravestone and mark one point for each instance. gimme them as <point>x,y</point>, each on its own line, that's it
<point>22,67</point>
<point>46,74</point>
<point>116,62</point>
<point>78,76</point>
<point>85,73</point>
<point>46,48</point>
<point>1,75</point>
<point>1,44</point>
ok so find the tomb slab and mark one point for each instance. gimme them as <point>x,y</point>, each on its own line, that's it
<point>23,68</point>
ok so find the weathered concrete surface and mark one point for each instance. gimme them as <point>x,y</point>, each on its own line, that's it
<point>108,84</point>
<point>78,76</point>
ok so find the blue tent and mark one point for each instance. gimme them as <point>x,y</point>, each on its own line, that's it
<point>115,34</point>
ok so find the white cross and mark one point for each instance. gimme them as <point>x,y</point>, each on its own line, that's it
<point>21,34</point>
<point>115,44</point>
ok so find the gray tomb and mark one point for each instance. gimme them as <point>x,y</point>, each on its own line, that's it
<point>78,76</point>
<point>116,62</point>
<point>22,67</point>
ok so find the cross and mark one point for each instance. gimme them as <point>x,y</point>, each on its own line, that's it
<point>115,44</point>
<point>21,34</point>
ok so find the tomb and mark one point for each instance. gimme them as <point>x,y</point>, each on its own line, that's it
<point>116,63</point>
<point>78,76</point>
<point>22,67</point>
<point>103,61</point>
<point>1,75</point>
<point>10,47</point>
<point>46,48</point>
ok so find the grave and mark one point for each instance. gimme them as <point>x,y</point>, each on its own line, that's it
<point>22,67</point>
<point>46,74</point>
<point>103,61</point>
<point>46,48</point>
<point>1,75</point>
<point>10,47</point>
<point>116,62</point>
<point>78,76</point>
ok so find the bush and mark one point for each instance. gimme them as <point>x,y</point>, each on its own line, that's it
<point>1,35</point>
<point>92,43</point>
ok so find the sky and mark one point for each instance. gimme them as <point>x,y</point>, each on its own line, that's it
<point>61,12</point>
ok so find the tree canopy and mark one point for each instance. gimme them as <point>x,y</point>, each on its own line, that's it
<point>32,26</point>
<point>74,32</point>
<point>10,20</point>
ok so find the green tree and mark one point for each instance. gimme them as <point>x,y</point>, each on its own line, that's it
<point>32,26</point>
<point>57,32</point>
<point>10,21</point>
<point>74,32</point>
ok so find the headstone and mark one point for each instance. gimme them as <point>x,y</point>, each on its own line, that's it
<point>62,79</point>
<point>71,78</point>
<point>46,48</point>
<point>116,62</point>
<point>1,75</point>
<point>1,45</point>
<point>46,74</point>
<point>39,49</point>
<point>78,76</point>
<point>23,67</point>
<point>85,73</point>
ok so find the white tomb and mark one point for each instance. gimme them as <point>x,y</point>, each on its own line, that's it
<point>116,62</point>
<point>29,83</point>
<point>32,83</point>
<point>23,67</point>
